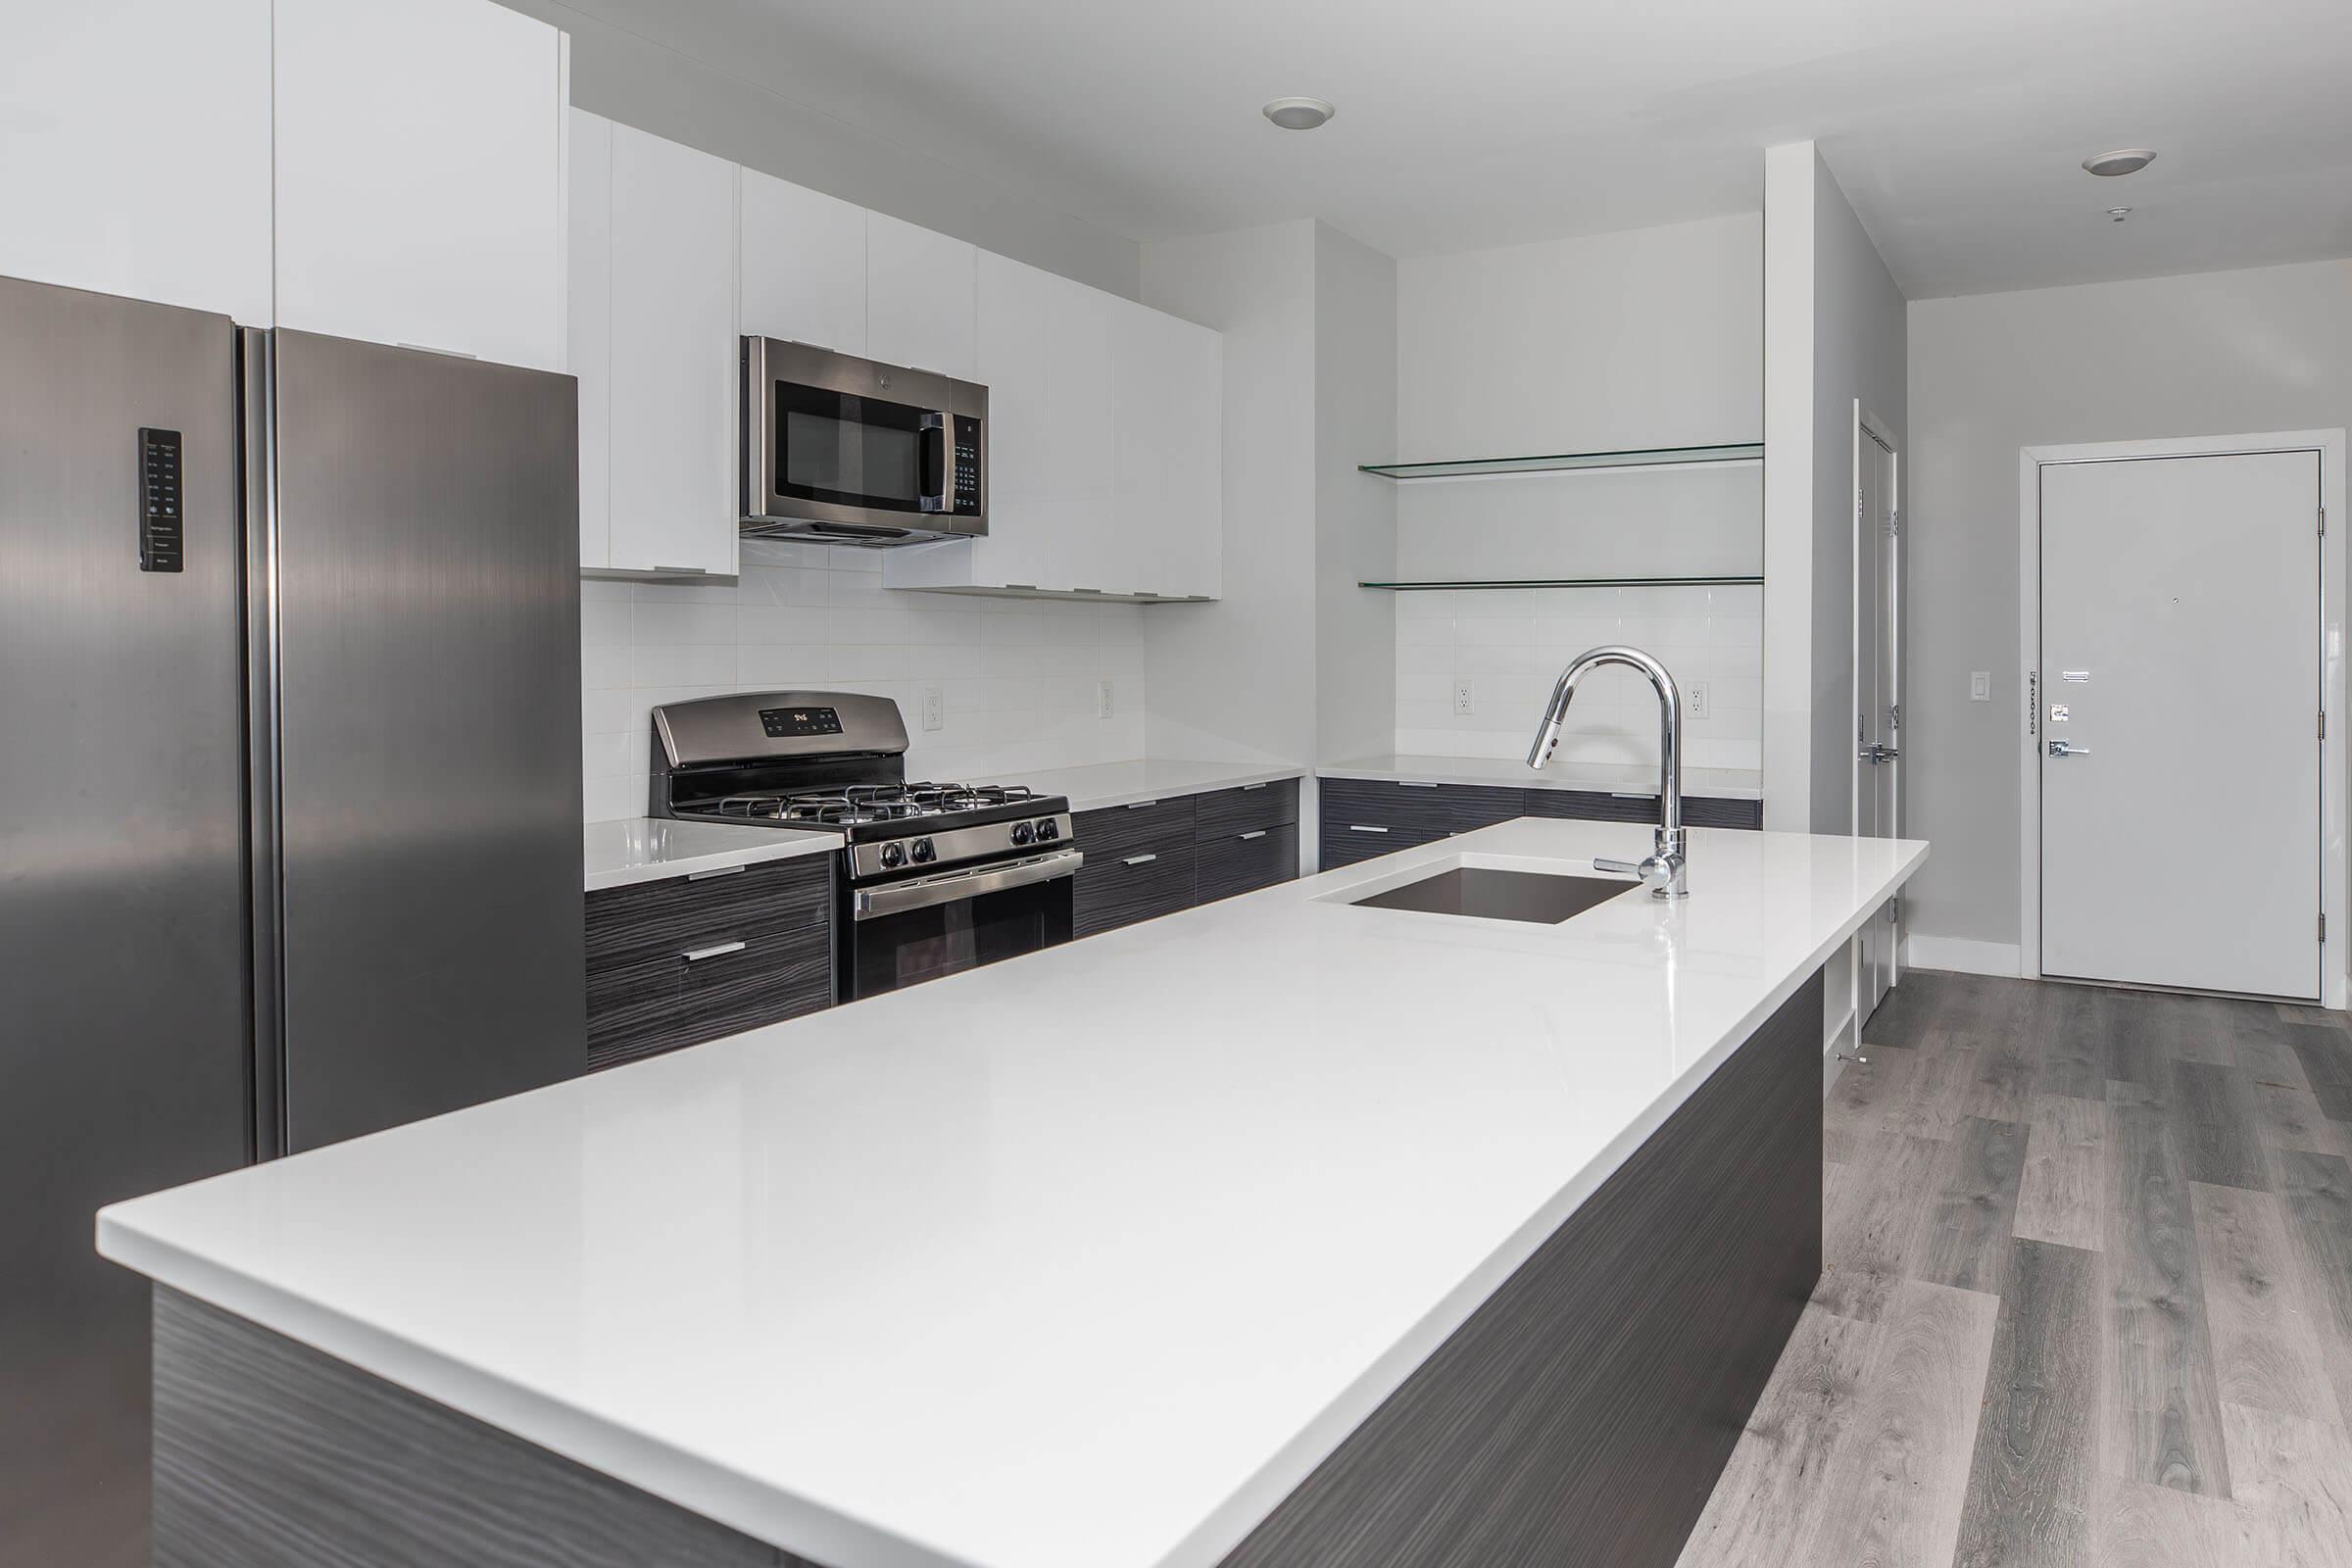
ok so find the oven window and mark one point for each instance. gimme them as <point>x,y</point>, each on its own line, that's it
<point>918,944</point>
<point>850,450</point>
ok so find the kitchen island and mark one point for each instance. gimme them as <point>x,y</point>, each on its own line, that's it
<point>1278,1232</point>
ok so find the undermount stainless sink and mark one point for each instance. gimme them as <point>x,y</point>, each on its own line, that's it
<point>1542,898</point>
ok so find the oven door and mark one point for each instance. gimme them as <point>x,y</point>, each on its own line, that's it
<point>852,447</point>
<point>906,932</point>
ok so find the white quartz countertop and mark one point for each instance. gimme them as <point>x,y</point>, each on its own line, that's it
<point>648,850</point>
<point>1102,784</point>
<point>1079,1260</point>
<point>1632,778</point>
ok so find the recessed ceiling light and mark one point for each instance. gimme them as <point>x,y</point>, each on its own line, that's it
<point>1299,114</point>
<point>2122,160</point>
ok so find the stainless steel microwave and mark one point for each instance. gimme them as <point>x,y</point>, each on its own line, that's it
<point>855,451</point>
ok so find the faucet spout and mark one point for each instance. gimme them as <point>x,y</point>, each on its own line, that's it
<point>1664,870</point>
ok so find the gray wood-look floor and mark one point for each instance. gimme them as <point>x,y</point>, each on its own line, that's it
<point>2087,1296</point>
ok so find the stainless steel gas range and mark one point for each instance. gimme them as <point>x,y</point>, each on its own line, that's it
<point>931,879</point>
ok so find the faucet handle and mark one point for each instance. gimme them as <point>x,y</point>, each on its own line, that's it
<point>1662,872</point>
<point>1620,867</point>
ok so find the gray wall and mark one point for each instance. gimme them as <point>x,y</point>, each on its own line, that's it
<point>2212,354</point>
<point>623,67</point>
<point>1859,351</point>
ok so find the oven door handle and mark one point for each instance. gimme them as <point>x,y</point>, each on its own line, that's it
<point>924,892</point>
<point>936,428</point>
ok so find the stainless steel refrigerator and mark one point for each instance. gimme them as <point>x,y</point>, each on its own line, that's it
<point>289,803</point>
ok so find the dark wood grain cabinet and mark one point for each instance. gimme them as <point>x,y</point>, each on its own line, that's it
<point>1154,858</point>
<point>691,958</point>
<point>1367,817</point>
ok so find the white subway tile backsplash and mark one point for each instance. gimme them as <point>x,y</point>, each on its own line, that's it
<point>1019,678</point>
<point>1511,645</point>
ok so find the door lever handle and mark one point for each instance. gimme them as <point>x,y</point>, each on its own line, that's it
<point>2068,749</point>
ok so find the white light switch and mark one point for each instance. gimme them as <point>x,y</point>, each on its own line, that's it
<point>1979,685</point>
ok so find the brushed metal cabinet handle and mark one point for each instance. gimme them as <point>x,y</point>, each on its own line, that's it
<point>698,955</point>
<point>1358,827</point>
<point>1139,859</point>
<point>1137,805</point>
<point>1407,784</point>
<point>1260,834</point>
<point>1258,786</point>
<point>723,871</point>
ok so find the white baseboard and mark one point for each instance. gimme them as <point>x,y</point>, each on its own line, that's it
<point>1961,955</point>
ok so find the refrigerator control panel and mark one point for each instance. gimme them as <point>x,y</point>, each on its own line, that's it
<point>159,499</point>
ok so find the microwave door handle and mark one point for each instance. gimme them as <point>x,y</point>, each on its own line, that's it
<point>934,439</point>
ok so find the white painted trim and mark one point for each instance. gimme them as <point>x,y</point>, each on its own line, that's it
<point>2335,875</point>
<point>1788,518</point>
<point>1867,426</point>
<point>1960,956</point>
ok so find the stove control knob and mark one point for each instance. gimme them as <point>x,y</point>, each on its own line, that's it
<point>1047,830</point>
<point>1023,833</point>
<point>922,851</point>
<point>894,855</point>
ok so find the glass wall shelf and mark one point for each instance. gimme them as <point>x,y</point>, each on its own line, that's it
<point>1648,457</point>
<point>1571,582</point>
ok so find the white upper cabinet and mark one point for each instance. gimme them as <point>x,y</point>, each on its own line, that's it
<point>671,382</point>
<point>134,150</point>
<point>1010,359</point>
<point>589,353</point>
<point>418,175</point>
<point>919,290</point>
<point>804,266</point>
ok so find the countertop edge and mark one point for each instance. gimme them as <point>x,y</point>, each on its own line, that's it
<point>788,846</point>
<point>1240,776</point>
<point>1560,777</point>
<point>760,1509</point>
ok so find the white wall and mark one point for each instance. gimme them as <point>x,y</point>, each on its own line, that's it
<point>619,69</point>
<point>1355,514</point>
<point>2211,354</point>
<point>1834,331</point>
<point>1017,677</point>
<point>1235,680</point>
<point>1644,338</point>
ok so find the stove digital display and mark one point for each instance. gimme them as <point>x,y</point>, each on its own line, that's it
<point>781,723</point>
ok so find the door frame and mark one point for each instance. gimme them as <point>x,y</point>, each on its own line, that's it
<point>2203,837</point>
<point>1869,427</point>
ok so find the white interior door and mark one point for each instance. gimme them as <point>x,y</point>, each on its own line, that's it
<point>2180,698</point>
<point>1878,695</point>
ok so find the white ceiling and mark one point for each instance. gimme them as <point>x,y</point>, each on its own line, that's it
<point>1955,127</point>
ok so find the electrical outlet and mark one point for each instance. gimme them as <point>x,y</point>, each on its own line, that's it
<point>1102,702</point>
<point>1465,698</point>
<point>1694,700</point>
<point>935,708</point>
<point>1979,685</point>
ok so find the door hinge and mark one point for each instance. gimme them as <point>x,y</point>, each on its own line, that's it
<point>2323,523</point>
<point>2323,723</point>
<point>2322,926</point>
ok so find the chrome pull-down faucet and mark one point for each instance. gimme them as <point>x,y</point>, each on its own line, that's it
<point>1663,870</point>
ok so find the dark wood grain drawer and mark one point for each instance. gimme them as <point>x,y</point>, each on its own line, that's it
<point>1226,812</point>
<point>658,1004</point>
<point>1343,842</point>
<point>661,919</point>
<point>1591,806</point>
<point>1243,862</point>
<point>1115,832</point>
<point>1446,808</point>
<point>1113,891</point>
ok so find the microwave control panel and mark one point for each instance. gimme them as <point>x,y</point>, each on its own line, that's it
<point>967,466</point>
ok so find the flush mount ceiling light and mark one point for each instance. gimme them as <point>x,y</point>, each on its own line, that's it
<point>2122,160</point>
<point>1299,114</point>
<point>2116,215</point>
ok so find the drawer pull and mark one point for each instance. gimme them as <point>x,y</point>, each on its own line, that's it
<point>1403,784</point>
<point>698,955</point>
<point>1260,834</point>
<point>1137,805</point>
<point>1629,795</point>
<point>1259,786</point>
<point>1139,859</point>
<point>725,870</point>
<point>1358,827</point>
